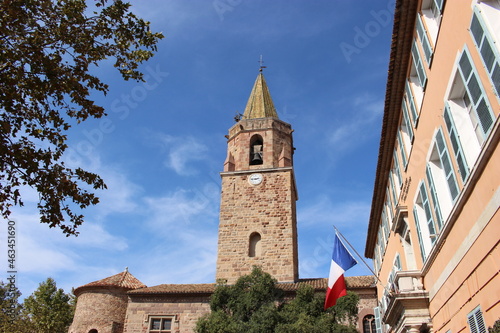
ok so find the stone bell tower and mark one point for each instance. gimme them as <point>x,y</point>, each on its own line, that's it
<point>258,225</point>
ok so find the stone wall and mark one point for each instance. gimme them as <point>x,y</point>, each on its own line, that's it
<point>267,208</point>
<point>185,311</point>
<point>102,309</point>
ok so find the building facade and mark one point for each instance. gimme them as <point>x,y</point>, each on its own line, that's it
<point>258,227</point>
<point>434,227</point>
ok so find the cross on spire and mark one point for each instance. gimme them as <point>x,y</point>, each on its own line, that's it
<point>261,62</point>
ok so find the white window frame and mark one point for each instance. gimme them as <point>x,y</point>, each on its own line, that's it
<point>424,220</point>
<point>162,319</point>
<point>443,174</point>
<point>476,321</point>
<point>464,118</point>
<point>432,11</point>
<point>410,99</point>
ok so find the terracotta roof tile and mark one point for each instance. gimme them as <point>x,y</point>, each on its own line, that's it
<point>352,282</point>
<point>123,280</point>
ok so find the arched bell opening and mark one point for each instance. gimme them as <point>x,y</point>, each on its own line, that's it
<point>256,150</point>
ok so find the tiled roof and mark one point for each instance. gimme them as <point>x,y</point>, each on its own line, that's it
<point>260,104</point>
<point>402,38</point>
<point>352,282</point>
<point>123,280</point>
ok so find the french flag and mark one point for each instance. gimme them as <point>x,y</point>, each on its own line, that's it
<point>341,262</point>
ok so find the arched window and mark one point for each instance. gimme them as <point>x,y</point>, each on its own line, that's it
<point>369,324</point>
<point>93,331</point>
<point>254,248</point>
<point>256,150</point>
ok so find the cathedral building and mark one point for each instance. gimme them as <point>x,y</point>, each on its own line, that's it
<point>257,227</point>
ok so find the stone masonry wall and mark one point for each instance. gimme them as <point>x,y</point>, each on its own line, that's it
<point>267,208</point>
<point>185,312</point>
<point>277,140</point>
<point>103,310</point>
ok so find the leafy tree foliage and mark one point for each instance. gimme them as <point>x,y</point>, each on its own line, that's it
<point>49,309</point>
<point>11,317</point>
<point>256,304</point>
<point>50,50</point>
<point>495,328</point>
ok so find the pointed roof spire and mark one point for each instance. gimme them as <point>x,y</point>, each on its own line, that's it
<point>260,104</point>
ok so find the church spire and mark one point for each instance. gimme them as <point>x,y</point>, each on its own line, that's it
<point>260,104</point>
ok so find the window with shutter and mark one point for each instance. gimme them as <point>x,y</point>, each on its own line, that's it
<point>476,321</point>
<point>463,167</point>
<point>411,102</point>
<point>485,44</point>
<point>424,40</point>
<point>423,253</point>
<point>397,169</point>
<point>474,99</point>
<point>378,319</point>
<point>419,67</point>
<point>428,213</point>
<point>402,150</point>
<point>446,165</point>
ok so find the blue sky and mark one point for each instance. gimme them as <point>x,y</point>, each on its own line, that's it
<point>162,146</point>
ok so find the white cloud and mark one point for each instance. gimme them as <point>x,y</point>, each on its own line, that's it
<point>324,211</point>
<point>181,152</point>
<point>355,129</point>
<point>183,207</point>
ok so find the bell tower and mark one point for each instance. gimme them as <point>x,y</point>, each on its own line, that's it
<point>257,225</point>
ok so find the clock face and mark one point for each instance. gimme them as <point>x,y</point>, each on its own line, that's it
<point>255,178</point>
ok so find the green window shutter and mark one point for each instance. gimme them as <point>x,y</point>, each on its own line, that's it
<point>439,5</point>
<point>417,61</point>
<point>393,189</point>
<point>465,66</point>
<point>403,150</point>
<point>463,168</point>
<point>398,170</point>
<point>476,93</point>
<point>407,121</point>
<point>378,320</point>
<point>476,29</point>
<point>385,224</point>
<point>397,262</point>
<point>484,116</point>
<point>411,102</point>
<point>381,240</point>
<point>495,78</point>
<point>424,40</point>
<point>419,235</point>
<point>428,213</point>
<point>446,164</point>
<point>435,201</point>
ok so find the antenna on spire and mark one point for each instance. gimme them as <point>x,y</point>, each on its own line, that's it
<point>261,62</point>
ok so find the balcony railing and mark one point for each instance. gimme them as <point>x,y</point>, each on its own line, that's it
<point>408,303</point>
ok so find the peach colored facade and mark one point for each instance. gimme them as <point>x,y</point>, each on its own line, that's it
<point>434,228</point>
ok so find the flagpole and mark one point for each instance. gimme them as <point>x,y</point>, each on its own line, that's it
<point>360,257</point>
